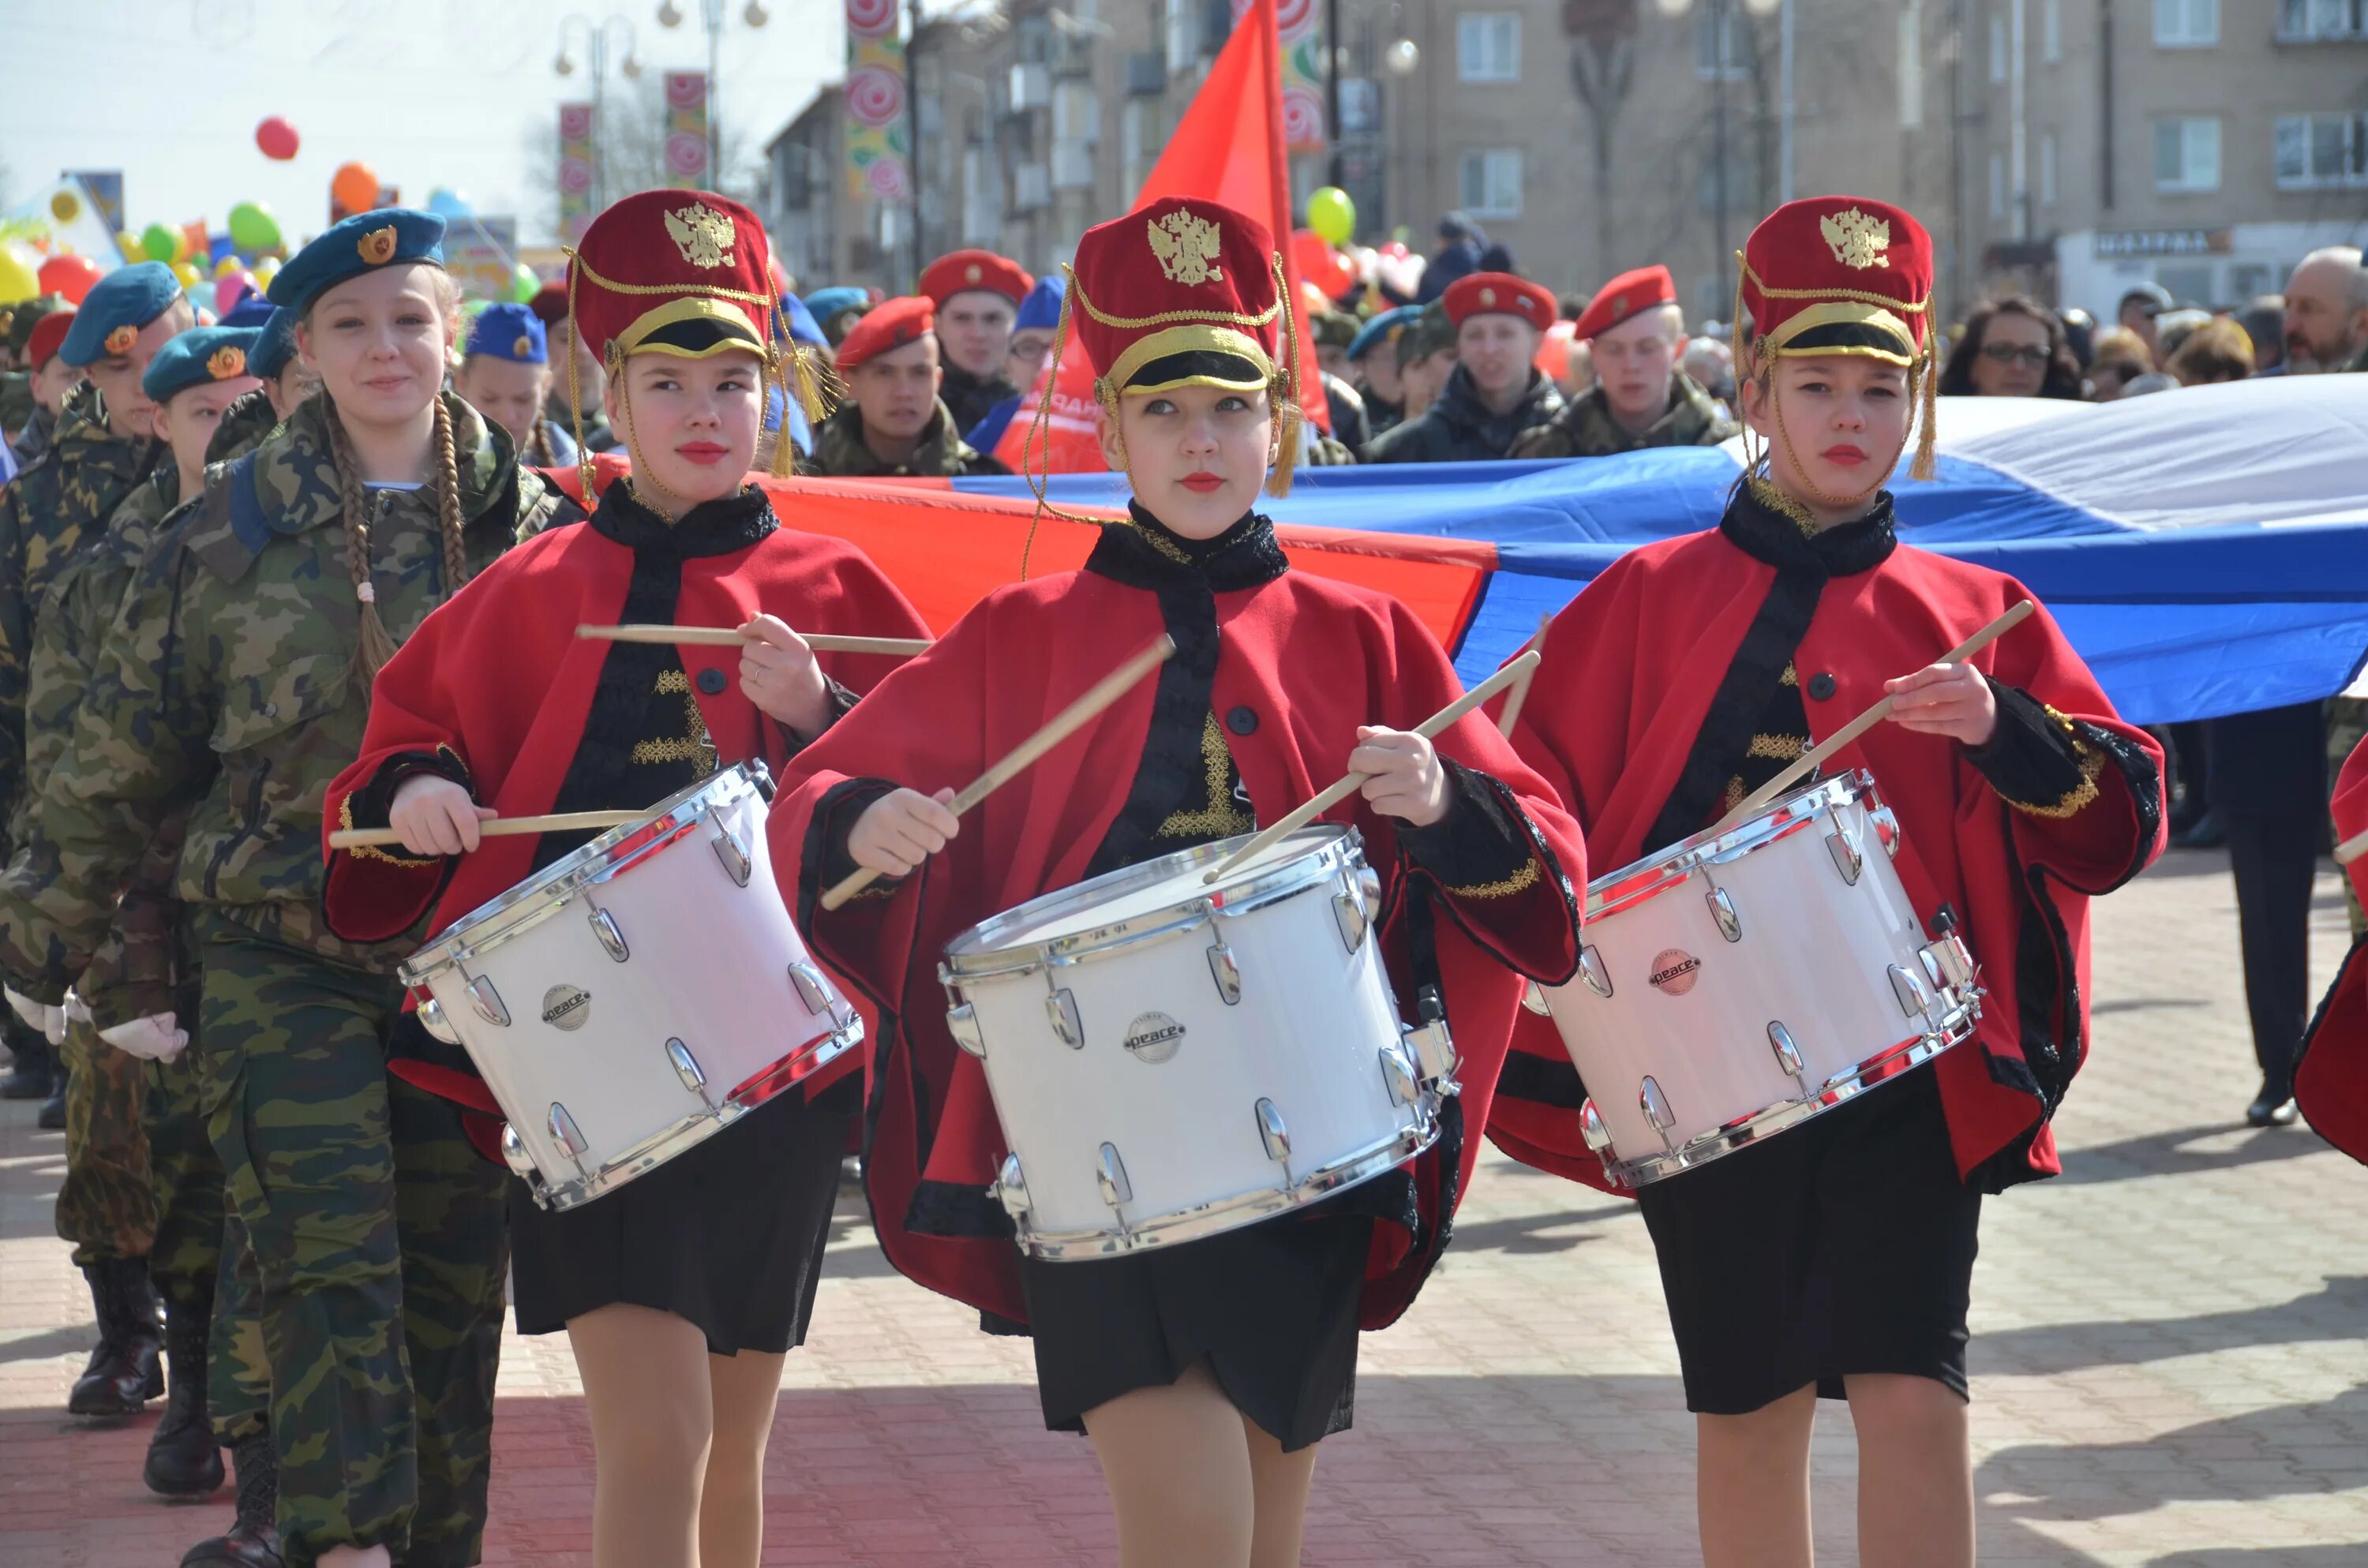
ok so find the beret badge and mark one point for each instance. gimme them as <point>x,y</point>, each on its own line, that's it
<point>228,362</point>
<point>377,247</point>
<point>523,346</point>
<point>120,340</point>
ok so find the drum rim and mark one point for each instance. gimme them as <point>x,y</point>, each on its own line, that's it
<point>1677,865</point>
<point>975,954</point>
<point>507,915</point>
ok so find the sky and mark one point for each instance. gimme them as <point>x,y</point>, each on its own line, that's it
<point>428,93</point>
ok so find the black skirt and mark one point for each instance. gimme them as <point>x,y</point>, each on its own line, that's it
<point>1844,1245</point>
<point>728,1237</point>
<point>1272,1308</point>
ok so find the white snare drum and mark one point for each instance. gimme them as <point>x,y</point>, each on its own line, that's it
<point>1171,1060</point>
<point>1738,983</point>
<point>637,996</point>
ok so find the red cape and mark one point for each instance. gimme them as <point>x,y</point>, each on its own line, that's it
<point>1629,671</point>
<point>498,677</point>
<point>2331,1073</point>
<point>1311,660</point>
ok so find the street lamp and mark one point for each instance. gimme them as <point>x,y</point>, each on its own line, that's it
<point>712,14</point>
<point>597,53</point>
<point>1721,14</point>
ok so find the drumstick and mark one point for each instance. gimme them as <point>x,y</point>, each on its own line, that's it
<point>1333,794</point>
<point>1103,692</point>
<point>727,637</point>
<point>497,827</point>
<point>1521,692</point>
<point>2352,849</point>
<point>1809,760</point>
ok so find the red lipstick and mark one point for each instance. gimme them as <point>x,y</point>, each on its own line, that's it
<point>706,454</point>
<point>1844,455</point>
<point>1202,484</point>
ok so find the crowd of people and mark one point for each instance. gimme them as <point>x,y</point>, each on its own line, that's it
<point>255,569</point>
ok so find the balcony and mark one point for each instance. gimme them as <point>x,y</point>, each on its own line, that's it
<point>2322,21</point>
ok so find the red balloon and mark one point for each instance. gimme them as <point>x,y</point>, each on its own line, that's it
<point>276,138</point>
<point>1319,263</point>
<point>69,275</point>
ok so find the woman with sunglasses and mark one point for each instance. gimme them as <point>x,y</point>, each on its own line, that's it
<point>2011,346</point>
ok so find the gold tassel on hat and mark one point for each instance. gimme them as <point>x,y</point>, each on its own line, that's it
<point>585,470</point>
<point>1287,417</point>
<point>1040,436</point>
<point>1926,466</point>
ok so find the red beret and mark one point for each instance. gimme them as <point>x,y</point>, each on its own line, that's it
<point>886,328</point>
<point>48,334</point>
<point>550,303</point>
<point>1180,293</point>
<point>674,272</point>
<point>1630,294</point>
<point>965,270</point>
<point>1498,293</point>
<point>1840,274</point>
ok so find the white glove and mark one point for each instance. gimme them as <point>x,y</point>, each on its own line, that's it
<point>25,1007</point>
<point>153,1039</point>
<point>76,1011</point>
<point>53,1025</point>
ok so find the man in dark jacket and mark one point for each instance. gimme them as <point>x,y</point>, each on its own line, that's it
<point>1496,392</point>
<point>894,424</point>
<point>1635,334</point>
<point>977,294</point>
<point>1458,256</point>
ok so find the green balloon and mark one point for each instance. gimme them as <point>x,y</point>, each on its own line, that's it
<point>524,284</point>
<point>1332,215</point>
<point>156,243</point>
<point>253,228</point>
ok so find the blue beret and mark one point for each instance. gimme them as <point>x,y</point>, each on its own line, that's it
<point>275,344</point>
<point>1041,308</point>
<point>803,328</point>
<point>128,296</point>
<point>1382,328</point>
<point>504,331</point>
<point>363,243</point>
<point>252,310</point>
<point>824,303</point>
<point>199,357</point>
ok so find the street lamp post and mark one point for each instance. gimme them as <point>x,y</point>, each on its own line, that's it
<point>710,15</point>
<point>596,52</point>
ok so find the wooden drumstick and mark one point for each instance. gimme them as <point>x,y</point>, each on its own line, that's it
<point>497,827</point>
<point>1336,793</point>
<point>729,637</point>
<point>2352,849</point>
<point>1103,692</point>
<point>1809,760</point>
<point>1521,692</point>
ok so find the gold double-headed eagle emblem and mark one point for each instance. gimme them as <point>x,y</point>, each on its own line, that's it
<point>1859,241</point>
<point>1186,247</point>
<point>702,234</point>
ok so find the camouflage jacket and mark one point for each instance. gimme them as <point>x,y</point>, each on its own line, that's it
<point>840,451</point>
<point>48,512</point>
<point>33,438</point>
<point>1585,427</point>
<point>1459,428</point>
<point>17,404</point>
<point>244,426</point>
<point>228,682</point>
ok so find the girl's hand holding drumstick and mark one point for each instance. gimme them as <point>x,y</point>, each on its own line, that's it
<point>432,815</point>
<point>901,829</point>
<point>778,673</point>
<point>1402,775</point>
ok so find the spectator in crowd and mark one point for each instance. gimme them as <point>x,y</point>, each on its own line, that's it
<point>1640,398</point>
<point>977,295</point>
<point>1577,370</point>
<point>1373,363</point>
<point>2011,346</point>
<point>2172,328</point>
<point>2326,313</point>
<point>894,422</point>
<point>1711,367</point>
<point>1460,243</point>
<point>2264,321</point>
<point>2142,304</point>
<point>1496,392</point>
<point>2219,350</point>
<point>1334,333</point>
<point>1426,358</point>
<point>837,310</point>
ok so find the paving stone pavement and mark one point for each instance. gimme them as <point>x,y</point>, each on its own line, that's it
<point>2168,1360</point>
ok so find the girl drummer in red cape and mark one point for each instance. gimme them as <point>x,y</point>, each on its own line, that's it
<point>681,1291</point>
<point>1834,1259</point>
<point>1204,1373</point>
<point>2331,1071</point>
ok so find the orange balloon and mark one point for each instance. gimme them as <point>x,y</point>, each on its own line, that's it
<point>355,185</point>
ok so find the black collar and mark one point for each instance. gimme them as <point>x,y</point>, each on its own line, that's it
<point>1765,533</point>
<point>1143,553</point>
<point>712,528</point>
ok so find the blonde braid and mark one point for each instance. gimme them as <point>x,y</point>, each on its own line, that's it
<point>373,647</point>
<point>448,502</point>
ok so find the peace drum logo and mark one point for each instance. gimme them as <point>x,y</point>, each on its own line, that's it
<point>567,1007</point>
<point>1154,1038</point>
<point>1674,972</point>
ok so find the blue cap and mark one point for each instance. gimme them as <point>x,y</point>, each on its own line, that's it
<point>275,344</point>
<point>363,243</point>
<point>1041,308</point>
<point>127,297</point>
<point>252,310</point>
<point>1382,328</point>
<point>199,357</point>
<point>803,328</point>
<point>504,331</point>
<point>824,303</point>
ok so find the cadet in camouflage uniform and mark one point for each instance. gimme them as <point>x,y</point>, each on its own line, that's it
<point>27,418</point>
<point>1640,398</point>
<point>1496,390</point>
<point>1373,360</point>
<point>236,680</point>
<point>286,384</point>
<point>894,424</point>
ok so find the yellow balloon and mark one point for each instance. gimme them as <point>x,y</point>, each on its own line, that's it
<point>129,243</point>
<point>227,265</point>
<point>266,269</point>
<point>187,273</point>
<point>17,279</point>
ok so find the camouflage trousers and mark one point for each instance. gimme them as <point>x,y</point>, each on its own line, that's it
<point>381,1250</point>
<point>107,1205</point>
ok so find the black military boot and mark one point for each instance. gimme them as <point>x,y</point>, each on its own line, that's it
<point>253,1540</point>
<point>125,1370</point>
<point>29,1075</point>
<point>184,1460</point>
<point>52,1117</point>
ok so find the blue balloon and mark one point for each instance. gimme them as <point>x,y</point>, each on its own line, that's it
<point>447,203</point>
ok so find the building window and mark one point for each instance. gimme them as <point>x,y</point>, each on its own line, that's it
<point>2051,31</point>
<point>1722,46</point>
<point>2187,155</point>
<point>2322,151</point>
<point>2047,169</point>
<point>1491,183</point>
<point>1998,49</point>
<point>1488,47</point>
<point>1997,185</point>
<point>2308,21</point>
<point>2186,24</point>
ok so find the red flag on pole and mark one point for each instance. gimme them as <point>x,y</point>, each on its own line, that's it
<point>1228,147</point>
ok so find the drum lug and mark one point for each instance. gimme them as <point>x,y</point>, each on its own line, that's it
<point>735,855</point>
<point>1369,883</point>
<point>1225,973</point>
<point>1886,829</point>
<point>1060,1007</point>
<point>513,1155</point>
<point>1272,1132</point>
<point>565,1133</point>
<point>687,1068</point>
<point>1591,970</point>
<point>1953,962</point>
<point>1397,1076</point>
<point>613,941</point>
<point>1534,997</point>
<point>1843,843</point>
<point>1110,1177</point>
<point>812,988</point>
<point>1592,1127</point>
<point>1656,1107</point>
<point>1011,1188</point>
<point>432,1019</point>
<point>1788,1055</point>
<point>961,1022</point>
<point>1909,990</point>
<point>1722,909</point>
<point>488,1002</point>
<point>1349,913</point>
<point>1434,1055</point>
